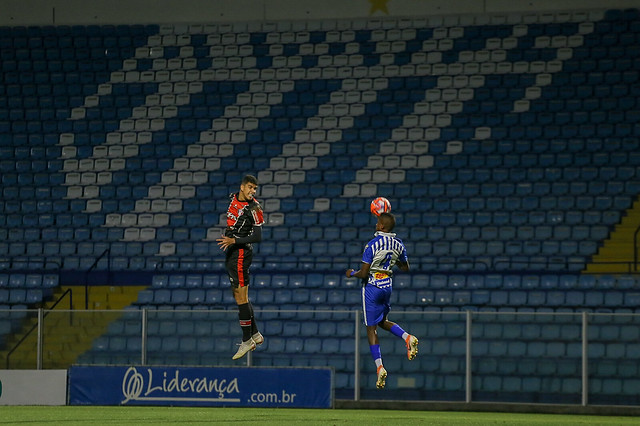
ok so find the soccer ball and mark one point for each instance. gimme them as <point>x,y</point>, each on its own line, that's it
<point>380,205</point>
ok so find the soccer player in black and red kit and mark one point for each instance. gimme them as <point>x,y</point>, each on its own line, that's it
<point>244,227</point>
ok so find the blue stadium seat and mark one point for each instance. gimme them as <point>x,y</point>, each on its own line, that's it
<point>213,296</point>
<point>50,280</point>
<point>317,297</point>
<point>17,280</point>
<point>176,281</point>
<point>261,280</point>
<point>162,296</point>
<point>210,281</point>
<point>196,296</point>
<point>33,296</point>
<point>145,297</point>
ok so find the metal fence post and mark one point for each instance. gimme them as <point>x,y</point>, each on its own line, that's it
<point>468,359</point>
<point>40,339</point>
<point>585,361</point>
<point>356,374</point>
<point>143,336</point>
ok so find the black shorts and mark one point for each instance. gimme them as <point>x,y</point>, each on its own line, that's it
<point>237,262</point>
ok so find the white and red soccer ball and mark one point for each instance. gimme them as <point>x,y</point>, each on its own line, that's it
<point>380,205</point>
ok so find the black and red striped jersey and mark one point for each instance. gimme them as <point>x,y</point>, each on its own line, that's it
<point>242,216</point>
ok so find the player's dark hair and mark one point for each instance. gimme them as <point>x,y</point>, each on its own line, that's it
<point>388,220</point>
<point>249,179</point>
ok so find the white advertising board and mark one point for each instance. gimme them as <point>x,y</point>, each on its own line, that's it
<point>33,387</point>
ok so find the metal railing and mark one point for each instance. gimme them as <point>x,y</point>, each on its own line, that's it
<point>41,314</point>
<point>88,271</point>
<point>635,249</point>
<point>579,358</point>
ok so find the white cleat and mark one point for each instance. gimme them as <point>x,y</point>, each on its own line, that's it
<point>382,377</point>
<point>412,347</point>
<point>245,347</point>
<point>258,338</point>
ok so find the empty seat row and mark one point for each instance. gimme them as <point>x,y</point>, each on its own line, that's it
<point>215,296</point>
<point>585,299</point>
<point>20,280</point>
<point>188,344</point>
<point>555,224</point>
<point>22,296</point>
<point>450,281</point>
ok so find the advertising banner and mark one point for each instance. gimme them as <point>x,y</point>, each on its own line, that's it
<point>33,387</point>
<point>196,386</point>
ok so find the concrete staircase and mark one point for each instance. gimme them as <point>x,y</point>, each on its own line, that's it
<point>67,333</point>
<point>616,255</point>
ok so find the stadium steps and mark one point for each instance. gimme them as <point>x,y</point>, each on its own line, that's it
<point>69,333</point>
<point>617,252</point>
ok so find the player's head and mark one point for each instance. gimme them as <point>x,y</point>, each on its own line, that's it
<point>386,222</point>
<point>248,188</point>
<point>249,179</point>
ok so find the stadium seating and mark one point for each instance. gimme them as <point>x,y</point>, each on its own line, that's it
<point>461,117</point>
<point>509,149</point>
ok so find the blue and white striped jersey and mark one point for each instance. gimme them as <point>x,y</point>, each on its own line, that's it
<point>382,252</point>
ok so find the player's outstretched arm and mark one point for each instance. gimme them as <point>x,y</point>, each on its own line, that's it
<point>225,242</point>
<point>254,237</point>
<point>404,266</point>
<point>362,273</point>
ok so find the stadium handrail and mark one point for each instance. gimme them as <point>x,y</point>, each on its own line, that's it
<point>44,312</point>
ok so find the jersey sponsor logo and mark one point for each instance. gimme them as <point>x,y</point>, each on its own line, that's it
<point>233,217</point>
<point>258,216</point>
<point>241,214</point>
<point>380,275</point>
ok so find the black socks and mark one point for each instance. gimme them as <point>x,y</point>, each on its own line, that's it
<point>245,314</point>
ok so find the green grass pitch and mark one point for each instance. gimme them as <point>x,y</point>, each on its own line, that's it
<point>28,415</point>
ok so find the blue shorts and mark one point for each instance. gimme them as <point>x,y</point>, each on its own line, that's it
<point>375,304</point>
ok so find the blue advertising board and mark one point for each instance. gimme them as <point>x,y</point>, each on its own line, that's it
<point>199,386</point>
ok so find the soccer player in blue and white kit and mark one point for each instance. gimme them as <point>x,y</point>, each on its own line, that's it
<point>380,254</point>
